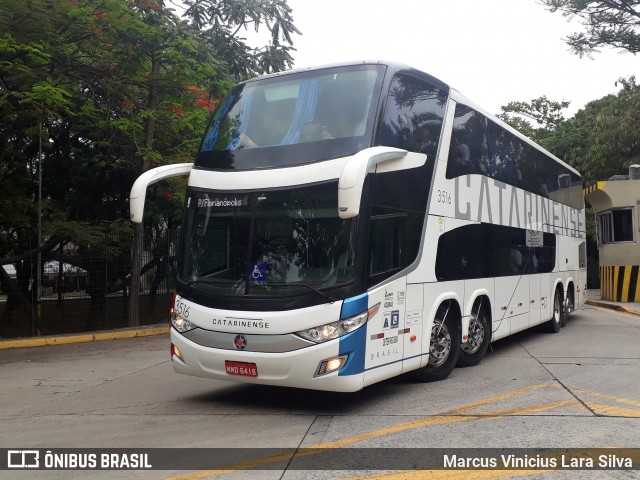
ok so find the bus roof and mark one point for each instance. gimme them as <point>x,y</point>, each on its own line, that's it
<point>396,67</point>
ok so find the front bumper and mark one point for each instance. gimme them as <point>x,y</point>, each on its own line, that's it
<point>287,369</point>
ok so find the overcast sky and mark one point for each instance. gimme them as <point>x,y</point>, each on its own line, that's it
<point>492,51</point>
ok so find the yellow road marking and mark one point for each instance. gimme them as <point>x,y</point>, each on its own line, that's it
<point>456,415</point>
<point>571,402</point>
<point>504,396</point>
<point>609,397</point>
<point>422,422</point>
<point>613,410</point>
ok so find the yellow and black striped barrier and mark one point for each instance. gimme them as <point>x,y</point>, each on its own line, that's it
<point>619,283</point>
<point>592,188</point>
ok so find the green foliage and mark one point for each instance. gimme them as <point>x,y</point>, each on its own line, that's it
<point>117,86</point>
<point>546,114</point>
<point>95,92</point>
<point>601,140</point>
<point>607,23</point>
<point>608,131</point>
<point>221,21</point>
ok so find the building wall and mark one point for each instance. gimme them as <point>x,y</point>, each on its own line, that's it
<point>619,261</point>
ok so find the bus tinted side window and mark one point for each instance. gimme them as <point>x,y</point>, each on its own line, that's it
<point>485,250</point>
<point>469,152</point>
<point>413,115</point>
<point>398,208</point>
<point>481,146</point>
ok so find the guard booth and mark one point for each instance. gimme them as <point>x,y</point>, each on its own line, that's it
<point>617,205</point>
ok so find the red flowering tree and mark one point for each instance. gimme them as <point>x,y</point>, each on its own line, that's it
<point>105,90</point>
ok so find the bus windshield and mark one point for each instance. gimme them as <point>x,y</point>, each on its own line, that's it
<point>283,242</point>
<point>266,122</point>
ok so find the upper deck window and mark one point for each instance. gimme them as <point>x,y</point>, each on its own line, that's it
<point>481,146</point>
<point>413,115</point>
<point>293,119</point>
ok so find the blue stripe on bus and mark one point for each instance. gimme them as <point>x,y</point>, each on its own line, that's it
<point>354,345</point>
<point>354,305</point>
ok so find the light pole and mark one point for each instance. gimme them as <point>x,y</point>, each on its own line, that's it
<point>39,271</point>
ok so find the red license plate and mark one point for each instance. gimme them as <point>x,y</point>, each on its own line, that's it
<point>241,368</point>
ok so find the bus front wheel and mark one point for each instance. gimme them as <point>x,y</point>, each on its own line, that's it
<point>444,346</point>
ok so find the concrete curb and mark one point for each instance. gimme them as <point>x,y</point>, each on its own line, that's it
<point>612,306</point>
<point>83,338</point>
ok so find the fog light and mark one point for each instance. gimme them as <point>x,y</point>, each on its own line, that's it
<point>331,365</point>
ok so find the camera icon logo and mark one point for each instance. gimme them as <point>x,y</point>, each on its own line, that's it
<point>23,459</point>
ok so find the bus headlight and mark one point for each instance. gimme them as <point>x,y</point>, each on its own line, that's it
<point>180,323</point>
<point>324,333</point>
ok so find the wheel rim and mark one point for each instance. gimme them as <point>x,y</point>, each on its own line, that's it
<point>476,336</point>
<point>570,306</point>
<point>440,346</point>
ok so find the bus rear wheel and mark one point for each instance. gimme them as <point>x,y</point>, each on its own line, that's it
<point>557,320</point>
<point>474,349</point>
<point>569,306</point>
<point>444,345</point>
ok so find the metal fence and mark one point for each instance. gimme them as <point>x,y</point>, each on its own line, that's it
<point>86,288</point>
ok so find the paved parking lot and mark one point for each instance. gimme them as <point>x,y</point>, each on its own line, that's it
<point>575,389</point>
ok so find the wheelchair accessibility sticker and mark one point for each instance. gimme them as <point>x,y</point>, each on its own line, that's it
<point>258,272</point>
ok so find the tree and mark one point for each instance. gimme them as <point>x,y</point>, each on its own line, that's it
<point>217,24</point>
<point>546,114</point>
<point>222,21</point>
<point>604,139</point>
<point>600,140</point>
<point>108,89</point>
<point>607,23</point>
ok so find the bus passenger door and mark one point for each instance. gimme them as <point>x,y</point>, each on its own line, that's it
<point>386,332</point>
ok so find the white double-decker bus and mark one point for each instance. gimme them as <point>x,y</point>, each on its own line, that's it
<point>349,223</point>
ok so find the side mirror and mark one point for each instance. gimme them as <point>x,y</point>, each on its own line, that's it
<point>369,160</point>
<point>139,189</point>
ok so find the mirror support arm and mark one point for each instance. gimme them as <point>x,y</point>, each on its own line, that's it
<point>139,189</point>
<point>360,165</point>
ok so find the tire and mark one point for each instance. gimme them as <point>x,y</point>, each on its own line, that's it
<point>444,347</point>
<point>569,306</point>
<point>474,349</point>
<point>556,322</point>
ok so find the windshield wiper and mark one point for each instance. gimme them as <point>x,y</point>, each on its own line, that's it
<point>205,280</point>
<point>331,298</point>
